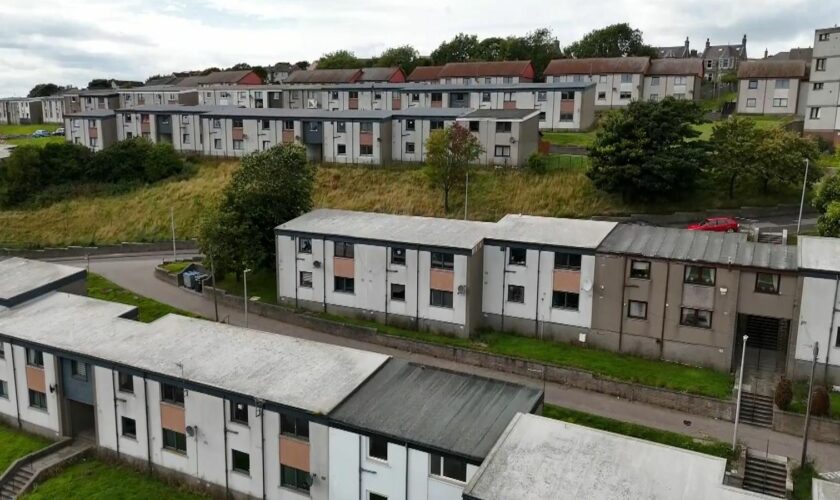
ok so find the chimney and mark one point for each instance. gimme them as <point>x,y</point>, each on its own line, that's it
<point>687,53</point>
<point>765,53</point>
<point>744,41</point>
<point>707,43</point>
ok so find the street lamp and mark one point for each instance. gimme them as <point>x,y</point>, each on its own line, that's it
<point>245,290</point>
<point>808,407</point>
<point>738,401</point>
<point>802,201</point>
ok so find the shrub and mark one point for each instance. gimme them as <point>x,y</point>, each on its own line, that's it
<point>784,394</point>
<point>537,163</point>
<point>21,175</point>
<point>162,162</point>
<point>827,190</point>
<point>820,402</point>
<point>829,223</point>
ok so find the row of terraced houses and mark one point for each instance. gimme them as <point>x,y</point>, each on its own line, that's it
<point>249,414</point>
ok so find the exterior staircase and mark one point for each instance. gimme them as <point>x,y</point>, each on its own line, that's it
<point>15,484</point>
<point>22,474</point>
<point>756,409</point>
<point>766,474</point>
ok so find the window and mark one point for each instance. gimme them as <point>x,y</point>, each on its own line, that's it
<point>334,95</point>
<point>240,461</point>
<point>398,256</point>
<point>128,118</point>
<point>837,338</point>
<point>34,358</point>
<point>565,300</point>
<point>516,293</point>
<point>409,148</point>
<point>696,317</point>
<point>93,142</point>
<point>624,95</point>
<point>217,143</point>
<point>378,448</point>
<point>125,382</point>
<point>441,260</point>
<point>129,427</point>
<point>341,127</point>
<point>640,269</point>
<point>237,123</point>
<point>439,298</point>
<point>172,394</point>
<point>37,400</point>
<point>503,127</point>
<point>567,96</point>
<point>602,79</point>
<point>344,285</point>
<point>306,279</point>
<point>344,249</point>
<point>450,468</point>
<point>217,123</point>
<point>566,260</point>
<point>815,113</point>
<point>304,245</point>
<point>366,150</point>
<point>377,96</point>
<point>654,97</point>
<point>751,102</point>
<point>397,292</point>
<point>266,145</point>
<point>353,94</point>
<point>654,81</point>
<point>294,426</point>
<point>542,96</point>
<point>265,124</point>
<point>779,102</point>
<point>767,283</point>
<point>341,149</point>
<point>626,78</point>
<point>185,138</point>
<point>697,275</point>
<point>2,350</point>
<point>78,370</point>
<point>437,96</point>
<point>566,117</point>
<point>376,496</point>
<point>783,84</point>
<point>474,126</point>
<point>822,37</point>
<point>288,125</point>
<point>818,86</point>
<point>637,309</point>
<point>174,441</point>
<point>436,124</point>
<point>709,64</point>
<point>237,144</point>
<point>821,64</point>
<point>502,151</point>
<point>517,256</point>
<point>4,389</point>
<point>542,116</point>
<point>294,478</point>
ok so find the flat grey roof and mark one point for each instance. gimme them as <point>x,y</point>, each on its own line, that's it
<point>819,253</point>
<point>288,371</point>
<point>824,490</point>
<point>430,112</point>
<point>446,411</point>
<point>312,114</point>
<point>502,114</point>
<point>538,457</point>
<point>175,89</point>
<point>94,113</point>
<point>573,233</point>
<point>403,229</point>
<point>23,279</point>
<point>102,92</point>
<point>168,108</point>
<point>436,87</point>
<point>698,246</point>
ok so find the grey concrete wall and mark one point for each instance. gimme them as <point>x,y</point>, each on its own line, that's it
<point>821,429</point>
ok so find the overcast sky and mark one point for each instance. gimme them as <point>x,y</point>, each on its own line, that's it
<point>72,42</point>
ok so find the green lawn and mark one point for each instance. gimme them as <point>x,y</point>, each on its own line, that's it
<point>176,267</point>
<point>707,446</point>
<point>800,400</point>
<point>27,129</point>
<point>582,139</point>
<point>35,141</point>
<point>93,479</point>
<point>150,310</point>
<point>761,122</point>
<point>261,284</point>
<point>15,444</point>
<point>702,381</point>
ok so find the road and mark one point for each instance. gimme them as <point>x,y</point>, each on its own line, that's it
<point>135,272</point>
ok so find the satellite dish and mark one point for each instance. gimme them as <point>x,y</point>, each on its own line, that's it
<point>587,285</point>
<point>191,430</point>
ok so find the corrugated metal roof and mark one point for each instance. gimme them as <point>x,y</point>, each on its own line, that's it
<point>481,69</point>
<point>773,68</point>
<point>378,74</point>
<point>691,66</point>
<point>597,66</point>
<point>452,412</point>
<point>698,246</point>
<point>424,74</point>
<point>324,76</point>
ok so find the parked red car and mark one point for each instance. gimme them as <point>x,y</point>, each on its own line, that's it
<point>718,224</point>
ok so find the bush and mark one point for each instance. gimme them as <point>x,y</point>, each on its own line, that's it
<point>537,163</point>
<point>784,394</point>
<point>829,223</point>
<point>820,402</point>
<point>827,190</point>
<point>162,162</point>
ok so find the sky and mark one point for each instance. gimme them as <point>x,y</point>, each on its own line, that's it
<point>72,42</point>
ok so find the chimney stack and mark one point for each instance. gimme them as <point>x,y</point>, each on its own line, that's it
<point>707,43</point>
<point>744,41</point>
<point>765,53</point>
<point>687,53</point>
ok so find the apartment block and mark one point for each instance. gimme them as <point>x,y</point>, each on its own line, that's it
<point>72,101</point>
<point>96,129</point>
<point>411,128</point>
<point>245,96</point>
<point>53,108</point>
<point>99,99</point>
<point>772,87</point>
<point>508,136</point>
<point>617,80</point>
<point>347,96</point>
<point>822,113</point>
<point>21,111</point>
<point>679,78</point>
<point>180,126</point>
<point>500,72</point>
<point>158,96</point>
<point>718,60</point>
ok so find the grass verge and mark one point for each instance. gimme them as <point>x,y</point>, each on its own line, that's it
<point>580,139</point>
<point>15,444</point>
<point>35,141</point>
<point>176,267</point>
<point>93,479</point>
<point>802,479</point>
<point>707,446</point>
<point>149,310</point>
<point>27,129</point>
<point>800,400</point>
<point>261,283</point>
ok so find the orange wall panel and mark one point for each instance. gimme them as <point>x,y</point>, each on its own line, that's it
<point>344,267</point>
<point>294,453</point>
<point>566,281</point>
<point>442,279</point>
<point>172,417</point>
<point>36,379</point>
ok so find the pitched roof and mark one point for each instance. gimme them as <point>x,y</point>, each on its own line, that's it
<point>379,74</point>
<point>325,76</point>
<point>490,68</point>
<point>801,54</point>
<point>673,52</point>
<point>424,74</point>
<point>597,66</point>
<point>224,77</point>
<point>771,68</point>
<point>718,51</point>
<point>690,66</point>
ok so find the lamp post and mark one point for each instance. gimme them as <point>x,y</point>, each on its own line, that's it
<point>808,408</point>
<point>172,223</point>
<point>245,292</point>
<point>738,401</point>
<point>802,200</point>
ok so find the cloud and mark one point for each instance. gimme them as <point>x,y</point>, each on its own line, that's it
<point>73,42</point>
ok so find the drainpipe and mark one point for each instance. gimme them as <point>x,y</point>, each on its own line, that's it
<point>406,471</point>
<point>324,270</point>
<point>834,311</point>
<point>296,243</point>
<point>14,380</point>
<point>224,433</point>
<point>623,296</point>
<point>504,283</point>
<point>387,295</point>
<point>260,408</point>
<point>664,310</point>
<point>148,429</point>
<point>537,306</point>
<point>417,289</point>
<point>116,419</point>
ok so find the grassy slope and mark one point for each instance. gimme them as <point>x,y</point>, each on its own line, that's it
<point>96,480</point>
<point>35,141</point>
<point>15,444</point>
<point>150,310</point>
<point>27,129</point>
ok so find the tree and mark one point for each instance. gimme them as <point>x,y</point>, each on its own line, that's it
<point>340,59</point>
<point>302,65</point>
<point>781,159</point>
<point>645,151</point>
<point>820,402</point>
<point>239,67</point>
<point>734,143</point>
<point>784,393</point>
<point>492,49</point>
<point>21,175</point>
<point>616,40</point>
<point>404,56</point>
<point>450,152</point>
<point>460,49</point>
<point>270,188</point>
<point>44,90</point>
<point>827,191</point>
<point>829,222</point>
<point>540,46</point>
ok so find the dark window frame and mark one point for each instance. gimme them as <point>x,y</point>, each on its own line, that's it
<point>640,276</point>
<point>442,260</point>
<point>301,282</point>
<point>37,400</point>
<point>699,280</point>
<point>517,256</point>
<point>695,324</point>
<point>566,260</point>
<point>377,448</point>
<point>777,287</point>
<point>243,459</point>
<point>239,415</point>
<point>344,250</point>
<point>171,394</point>
<point>173,441</point>
<point>301,481</point>
<point>34,358</point>
<point>304,245</point>
<point>344,285</point>
<point>78,370</point>
<point>516,294</point>
<point>295,427</point>
<point>395,294</point>
<point>127,432</point>
<point>441,466</point>
<point>563,300</point>
<point>397,256</point>
<point>630,309</point>
<point>445,299</point>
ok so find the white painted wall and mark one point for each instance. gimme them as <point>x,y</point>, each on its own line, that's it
<point>8,404</point>
<point>819,319</point>
<point>46,419</point>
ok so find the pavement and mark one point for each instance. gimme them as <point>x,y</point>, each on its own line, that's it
<point>135,272</point>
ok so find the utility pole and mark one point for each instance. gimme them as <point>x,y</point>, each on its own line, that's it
<point>245,290</point>
<point>466,194</point>
<point>808,408</point>
<point>738,401</point>
<point>172,222</point>
<point>802,201</point>
<point>213,278</point>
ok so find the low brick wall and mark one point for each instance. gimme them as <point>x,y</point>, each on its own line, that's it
<point>190,246</point>
<point>820,429</point>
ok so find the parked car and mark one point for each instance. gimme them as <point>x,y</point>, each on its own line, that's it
<point>58,131</point>
<point>40,133</point>
<point>717,224</point>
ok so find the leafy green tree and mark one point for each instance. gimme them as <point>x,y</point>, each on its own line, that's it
<point>645,152</point>
<point>734,144</point>
<point>780,159</point>
<point>302,65</point>
<point>461,48</point>
<point>270,188</point>
<point>493,48</point>
<point>21,175</point>
<point>449,153</point>
<point>616,40</point>
<point>44,90</point>
<point>540,46</point>
<point>404,56</point>
<point>828,190</point>
<point>64,162</point>
<point>340,59</point>
<point>829,222</point>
